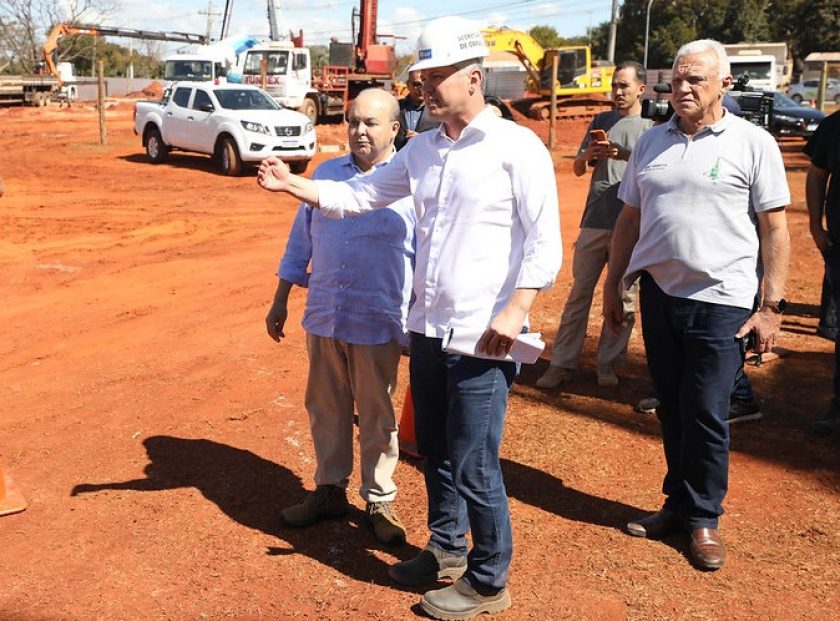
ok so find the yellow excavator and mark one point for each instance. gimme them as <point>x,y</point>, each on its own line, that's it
<point>582,84</point>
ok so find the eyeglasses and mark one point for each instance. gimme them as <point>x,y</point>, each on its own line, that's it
<point>416,84</point>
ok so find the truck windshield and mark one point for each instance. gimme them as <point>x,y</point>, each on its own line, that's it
<point>245,99</point>
<point>277,62</point>
<point>194,70</point>
<point>756,71</point>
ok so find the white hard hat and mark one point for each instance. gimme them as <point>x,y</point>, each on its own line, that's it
<point>448,40</point>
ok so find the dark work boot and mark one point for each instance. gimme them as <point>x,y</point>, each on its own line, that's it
<point>327,501</point>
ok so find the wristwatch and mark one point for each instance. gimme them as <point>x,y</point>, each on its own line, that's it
<point>777,307</point>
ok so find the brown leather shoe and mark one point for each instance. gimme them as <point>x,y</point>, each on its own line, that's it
<point>663,522</point>
<point>707,549</point>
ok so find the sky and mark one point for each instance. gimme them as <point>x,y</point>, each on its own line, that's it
<point>322,19</point>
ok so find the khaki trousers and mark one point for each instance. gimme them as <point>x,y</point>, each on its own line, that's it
<point>341,375</point>
<point>590,257</point>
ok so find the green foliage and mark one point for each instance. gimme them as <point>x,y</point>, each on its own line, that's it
<point>547,36</point>
<point>320,55</point>
<point>84,51</point>
<point>805,25</point>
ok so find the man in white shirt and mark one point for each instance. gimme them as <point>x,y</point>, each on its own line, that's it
<point>488,239</point>
<point>703,195</point>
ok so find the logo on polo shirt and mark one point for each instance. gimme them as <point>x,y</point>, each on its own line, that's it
<point>714,171</point>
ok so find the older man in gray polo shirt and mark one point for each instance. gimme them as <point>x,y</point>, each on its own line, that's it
<point>704,198</point>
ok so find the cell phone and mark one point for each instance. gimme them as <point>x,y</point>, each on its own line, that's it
<point>598,135</point>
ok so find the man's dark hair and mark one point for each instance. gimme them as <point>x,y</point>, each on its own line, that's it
<point>641,72</point>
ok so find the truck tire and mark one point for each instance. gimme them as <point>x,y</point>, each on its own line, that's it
<point>797,98</point>
<point>156,149</point>
<point>309,108</point>
<point>298,167</point>
<point>230,163</point>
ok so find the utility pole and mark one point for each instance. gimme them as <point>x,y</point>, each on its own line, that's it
<point>613,27</point>
<point>210,13</point>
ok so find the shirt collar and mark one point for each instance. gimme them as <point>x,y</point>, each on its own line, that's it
<point>358,171</point>
<point>716,128</point>
<point>481,124</point>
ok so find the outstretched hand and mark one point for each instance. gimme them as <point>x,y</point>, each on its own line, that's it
<point>273,175</point>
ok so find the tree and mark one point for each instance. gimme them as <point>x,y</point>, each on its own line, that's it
<point>25,24</point>
<point>320,55</point>
<point>805,25</point>
<point>546,36</point>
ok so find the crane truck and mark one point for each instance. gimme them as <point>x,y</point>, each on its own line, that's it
<point>49,81</point>
<point>284,68</point>
<point>62,30</point>
<point>582,84</point>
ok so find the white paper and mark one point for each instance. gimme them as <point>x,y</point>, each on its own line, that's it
<point>526,348</point>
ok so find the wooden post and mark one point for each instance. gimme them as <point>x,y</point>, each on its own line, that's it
<point>552,120</point>
<point>100,101</point>
<point>821,88</point>
<point>263,73</point>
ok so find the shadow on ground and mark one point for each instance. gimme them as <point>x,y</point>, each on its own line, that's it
<point>252,491</point>
<point>793,392</point>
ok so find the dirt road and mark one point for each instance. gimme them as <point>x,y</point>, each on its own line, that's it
<point>157,431</point>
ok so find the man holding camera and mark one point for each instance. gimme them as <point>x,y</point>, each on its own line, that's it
<point>606,147</point>
<point>822,192</point>
<point>704,194</point>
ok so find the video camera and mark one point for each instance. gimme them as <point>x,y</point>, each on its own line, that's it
<point>756,106</point>
<point>655,109</point>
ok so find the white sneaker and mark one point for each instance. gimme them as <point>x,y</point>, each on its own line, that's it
<point>606,375</point>
<point>554,376</point>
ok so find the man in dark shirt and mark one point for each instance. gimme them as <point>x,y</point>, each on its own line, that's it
<point>413,116</point>
<point>822,190</point>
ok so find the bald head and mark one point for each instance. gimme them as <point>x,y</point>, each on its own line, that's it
<point>372,125</point>
<point>371,98</point>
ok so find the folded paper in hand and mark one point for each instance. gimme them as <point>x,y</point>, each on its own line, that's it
<point>526,348</point>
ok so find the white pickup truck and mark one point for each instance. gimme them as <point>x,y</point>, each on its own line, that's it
<point>235,123</point>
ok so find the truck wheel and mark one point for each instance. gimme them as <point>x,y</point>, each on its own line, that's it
<point>156,149</point>
<point>229,161</point>
<point>797,98</point>
<point>298,167</point>
<point>309,108</point>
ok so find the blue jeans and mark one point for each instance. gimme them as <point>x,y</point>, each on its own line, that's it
<point>832,272</point>
<point>459,414</point>
<point>693,356</point>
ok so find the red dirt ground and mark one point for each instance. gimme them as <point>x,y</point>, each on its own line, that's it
<point>157,431</point>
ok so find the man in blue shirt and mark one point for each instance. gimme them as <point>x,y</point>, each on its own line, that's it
<point>355,320</point>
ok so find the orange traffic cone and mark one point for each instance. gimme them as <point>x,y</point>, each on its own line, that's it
<point>11,500</point>
<point>408,443</point>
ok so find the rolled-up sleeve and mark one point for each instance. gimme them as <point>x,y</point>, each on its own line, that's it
<point>295,263</point>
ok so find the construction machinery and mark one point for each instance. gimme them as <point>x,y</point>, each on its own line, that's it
<point>64,29</point>
<point>29,90</point>
<point>582,84</point>
<point>284,68</point>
